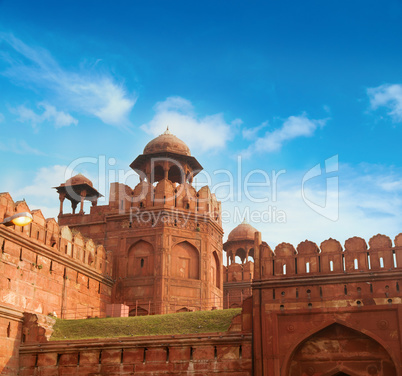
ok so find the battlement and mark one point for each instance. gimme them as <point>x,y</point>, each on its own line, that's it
<point>47,268</point>
<point>164,194</point>
<point>239,272</point>
<point>59,240</point>
<point>330,258</point>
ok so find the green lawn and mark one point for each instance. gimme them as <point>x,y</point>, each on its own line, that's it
<point>176,323</point>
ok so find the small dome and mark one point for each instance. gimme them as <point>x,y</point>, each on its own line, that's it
<point>244,231</point>
<point>167,142</point>
<point>78,179</point>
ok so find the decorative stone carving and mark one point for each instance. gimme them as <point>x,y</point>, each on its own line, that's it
<point>284,250</point>
<point>331,246</point>
<point>355,244</point>
<point>398,240</point>
<point>380,242</point>
<point>307,248</point>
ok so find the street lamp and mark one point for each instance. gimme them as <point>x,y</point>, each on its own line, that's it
<point>19,219</point>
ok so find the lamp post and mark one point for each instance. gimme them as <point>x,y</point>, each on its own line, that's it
<point>19,219</point>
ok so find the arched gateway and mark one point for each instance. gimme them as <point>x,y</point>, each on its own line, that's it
<point>338,350</point>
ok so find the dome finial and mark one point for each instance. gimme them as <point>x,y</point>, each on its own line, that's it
<point>244,221</point>
<point>167,130</point>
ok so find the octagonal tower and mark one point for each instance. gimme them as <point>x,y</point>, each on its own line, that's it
<point>166,237</point>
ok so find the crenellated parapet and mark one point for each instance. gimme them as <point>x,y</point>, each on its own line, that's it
<point>330,257</point>
<point>239,272</point>
<point>307,298</point>
<point>54,241</point>
<point>163,195</point>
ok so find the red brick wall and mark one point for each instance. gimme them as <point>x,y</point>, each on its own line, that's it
<point>45,268</point>
<point>180,249</point>
<point>10,339</point>
<point>204,354</point>
<point>325,313</point>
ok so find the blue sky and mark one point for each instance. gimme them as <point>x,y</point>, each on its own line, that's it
<point>280,86</point>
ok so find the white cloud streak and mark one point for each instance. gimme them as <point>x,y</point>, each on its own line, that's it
<point>49,114</point>
<point>388,96</point>
<point>44,180</point>
<point>40,193</point>
<point>367,206</point>
<point>293,127</point>
<point>19,147</point>
<point>179,114</point>
<point>251,133</point>
<point>85,91</point>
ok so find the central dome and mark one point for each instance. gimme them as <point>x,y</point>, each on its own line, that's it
<point>244,231</point>
<point>167,142</point>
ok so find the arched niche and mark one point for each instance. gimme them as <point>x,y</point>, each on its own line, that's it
<point>185,261</point>
<point>215,268</point>
<point>241,253</point>
<point>138,312</point>
<point>176,175</point>
<point>184,309</point>
<point>339,350</point>
<point>251,255</point>
<point>140,260</point>
<point>157,174</point>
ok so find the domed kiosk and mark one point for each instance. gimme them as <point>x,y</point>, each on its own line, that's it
<point>242,232</point>
<point>238,277</point>
<point>167,142</point>
<point>165,236</point>
<point>240,243</point>
<point>77,189</point>
<point>166,157</point>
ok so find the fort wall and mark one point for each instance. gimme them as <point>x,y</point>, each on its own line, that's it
<point>228,353</point>
<point>237,283</point>
<point>46,269</point>
<point>203,354</point>
<point>327,309</point>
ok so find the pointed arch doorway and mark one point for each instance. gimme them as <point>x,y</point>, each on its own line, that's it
<point>338,350</point>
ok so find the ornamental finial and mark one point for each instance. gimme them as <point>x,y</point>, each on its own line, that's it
<point>167,131</point>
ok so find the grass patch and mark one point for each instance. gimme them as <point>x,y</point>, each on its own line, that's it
<point>175,323</point>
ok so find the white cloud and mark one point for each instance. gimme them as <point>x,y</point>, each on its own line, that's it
<point>179,114</point>
<point>366,207</point>
<point>1,117</point>
<point>391,186</point>
<point>387,96</point>
<point>45,179</point>
<point>19,147</point>
<point>293,127</point>
<point>251,133</point>
<point>49,114</point>
<point>40,193</point>
<point>85,91</point>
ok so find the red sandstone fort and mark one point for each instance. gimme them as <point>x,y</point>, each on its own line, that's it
<point>327,310</point>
